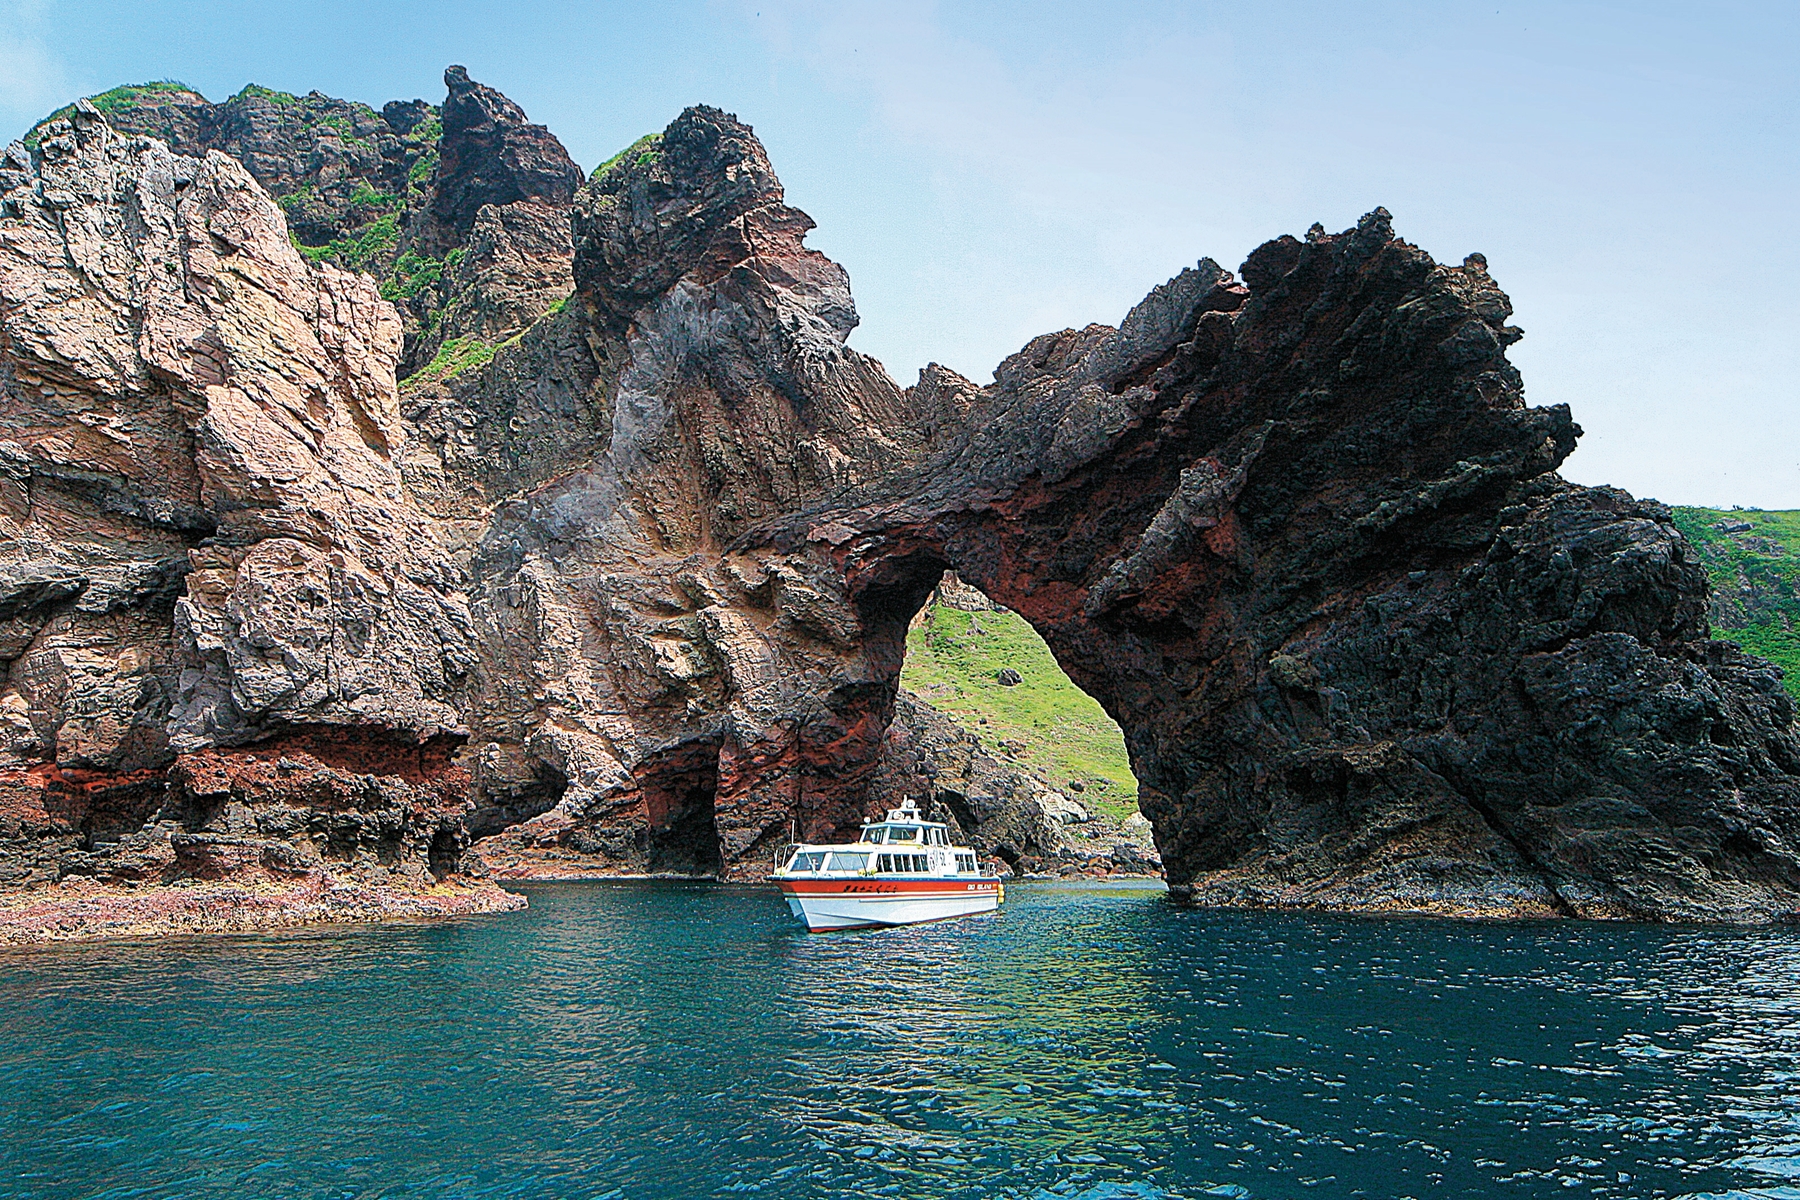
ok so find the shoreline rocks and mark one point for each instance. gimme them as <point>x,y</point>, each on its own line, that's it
<point>82,910</point>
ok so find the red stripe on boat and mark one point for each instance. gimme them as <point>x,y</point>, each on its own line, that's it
<point>887,887</point>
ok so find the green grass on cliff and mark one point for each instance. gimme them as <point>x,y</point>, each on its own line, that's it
<point>284,99</point>
<point>112,100</point>
<point>1756,580</point>
<point>952,660</point>
<point>456,355</point>
<point>362,249</point>
<point>645,149</point>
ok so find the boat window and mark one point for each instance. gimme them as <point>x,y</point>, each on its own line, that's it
<point>965,862</point>
<point>903,833</point>
<point>884,863</point>
<point>875,836</point>
<point>848,862</point>
<point>938,838</point>
<point>806,861</point>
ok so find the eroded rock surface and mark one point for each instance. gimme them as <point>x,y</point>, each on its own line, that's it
<point>627,591</point>
<point>205,535</point>
<point>460,210</point>
<point>1300,535</point>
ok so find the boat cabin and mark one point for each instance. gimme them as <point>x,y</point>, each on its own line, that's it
<point>903,844</point>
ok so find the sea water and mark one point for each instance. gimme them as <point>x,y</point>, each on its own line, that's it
<point>1093,1042</point>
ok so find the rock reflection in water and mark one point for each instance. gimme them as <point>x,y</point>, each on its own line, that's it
<point>1087,1042</point>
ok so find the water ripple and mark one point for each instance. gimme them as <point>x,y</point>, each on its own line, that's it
<point>1088,1043</point>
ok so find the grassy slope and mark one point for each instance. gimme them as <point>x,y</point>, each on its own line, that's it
<point>1766,619</point>
<point>1063,730</point>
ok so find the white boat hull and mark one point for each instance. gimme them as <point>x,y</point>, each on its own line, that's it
<point>821,910</point>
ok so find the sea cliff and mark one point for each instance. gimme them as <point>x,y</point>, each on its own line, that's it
<point>388,509</point>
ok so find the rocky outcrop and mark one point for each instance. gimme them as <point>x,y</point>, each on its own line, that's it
<point>342,172</point>
<point>495,213</point>
<point>459,210</point>
<point>702,706</point>
<point>626,589</point>
<point>490,155</point>
<point>205,535</point>
<point>1300,535</point>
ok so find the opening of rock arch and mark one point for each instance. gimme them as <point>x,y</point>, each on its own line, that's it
<point>992,735</point>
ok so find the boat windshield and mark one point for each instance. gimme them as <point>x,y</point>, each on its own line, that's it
<point>842,861</point>
<point>875,834</point>
<point>806,861</point>
<point>903,833</point>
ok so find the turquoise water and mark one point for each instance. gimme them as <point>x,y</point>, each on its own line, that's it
<point>668,1041</point>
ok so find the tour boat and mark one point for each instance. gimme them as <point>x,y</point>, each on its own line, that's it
<point>898,872</point>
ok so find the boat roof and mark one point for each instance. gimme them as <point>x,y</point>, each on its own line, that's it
<point>906,814</point>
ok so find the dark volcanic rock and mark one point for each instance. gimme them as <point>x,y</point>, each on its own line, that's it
<point>490,154</point>
<point>1299,535</point>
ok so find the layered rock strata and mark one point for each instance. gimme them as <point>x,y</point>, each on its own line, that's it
<point>630,592</point>
<point>205,535</point>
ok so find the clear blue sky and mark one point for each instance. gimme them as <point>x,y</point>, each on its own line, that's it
<point>988,172</point>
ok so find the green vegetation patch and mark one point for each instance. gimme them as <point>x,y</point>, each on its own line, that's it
<point>363,249</point>
<point>297,200</point>
<point>455,356</point>
<point>111,101</point>
<point>1753,559</point>
<point>953,660</point>
<point>270,94</point>
<point>413,274</point>
<point>366,197</point>
<point>642,152</point>
<point>130,95</point>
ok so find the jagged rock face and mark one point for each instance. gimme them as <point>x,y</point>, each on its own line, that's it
<point>461,211</point>
<point>638,577</point>
<point>335,165</point>
<point>204,536</point>
<point>1299,535</point>
<point>490,155</point>
<point>698,382</point>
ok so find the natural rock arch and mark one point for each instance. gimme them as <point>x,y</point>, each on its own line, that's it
<point>1301,537</point>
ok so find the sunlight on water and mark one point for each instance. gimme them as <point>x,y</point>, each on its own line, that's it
<point>1088,1043</point>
